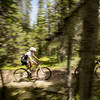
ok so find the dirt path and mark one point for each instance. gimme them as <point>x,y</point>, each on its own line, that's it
<point>52,89</point>
<point>58,76</point>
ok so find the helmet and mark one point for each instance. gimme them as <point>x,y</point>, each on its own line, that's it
<point>32,49</point>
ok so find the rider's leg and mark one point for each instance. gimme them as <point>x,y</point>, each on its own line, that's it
<point>29,65</point>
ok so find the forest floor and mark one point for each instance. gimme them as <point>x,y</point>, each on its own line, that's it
<point>55,87</point>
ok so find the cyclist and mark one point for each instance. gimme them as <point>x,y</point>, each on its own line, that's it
<point>29,58</point>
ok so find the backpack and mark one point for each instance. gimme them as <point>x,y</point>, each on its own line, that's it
<point>24,59</point>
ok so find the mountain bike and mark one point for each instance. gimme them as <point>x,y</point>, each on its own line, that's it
<point>42,73</point>
<point>96,70</point>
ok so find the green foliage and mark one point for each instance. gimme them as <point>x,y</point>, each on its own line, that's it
<point>49,61</point>
<point>13,37</point>
<point>12,67</point>
<point>16,36</point>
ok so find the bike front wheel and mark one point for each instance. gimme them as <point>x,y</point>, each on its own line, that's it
<point>97,71</point>
<point>44,73</point>
<point>20,74</point>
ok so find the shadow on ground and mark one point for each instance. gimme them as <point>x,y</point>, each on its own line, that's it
<point>29,94</point>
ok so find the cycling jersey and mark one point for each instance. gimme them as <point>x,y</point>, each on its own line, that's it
<point>28,54</point>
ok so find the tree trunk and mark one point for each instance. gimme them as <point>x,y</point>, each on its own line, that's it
<point>88,47</point>
<point>70,34</point>
<point>69,94</point>
<point>3,92</point>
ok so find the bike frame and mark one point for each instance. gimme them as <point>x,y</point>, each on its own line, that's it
<point>37,67</point>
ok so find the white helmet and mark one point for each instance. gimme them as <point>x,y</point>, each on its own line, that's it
<point>32,49</point>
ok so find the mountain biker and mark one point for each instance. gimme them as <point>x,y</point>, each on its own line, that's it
<point>29,58</point>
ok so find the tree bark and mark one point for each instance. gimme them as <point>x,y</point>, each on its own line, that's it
<point>88,47</point>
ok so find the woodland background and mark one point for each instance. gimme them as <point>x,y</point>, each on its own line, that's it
<point>66,34</point>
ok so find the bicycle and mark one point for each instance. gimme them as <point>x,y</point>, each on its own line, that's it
<point>96,70</point>
<point>42,73</point>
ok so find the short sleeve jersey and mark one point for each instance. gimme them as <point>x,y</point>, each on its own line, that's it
<point>28,54</point>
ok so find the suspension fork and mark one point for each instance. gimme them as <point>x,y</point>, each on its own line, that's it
<point>41,69</point>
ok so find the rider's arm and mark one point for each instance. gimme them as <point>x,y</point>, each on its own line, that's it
<point>33,61</point>
<point>36,58</point>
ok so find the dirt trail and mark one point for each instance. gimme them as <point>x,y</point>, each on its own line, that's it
<point>52,89</point>
<point>58,76</point>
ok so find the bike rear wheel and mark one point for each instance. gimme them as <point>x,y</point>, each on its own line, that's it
<point>20,74</point>
<point>44,73</point>
<point>97,71</point>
